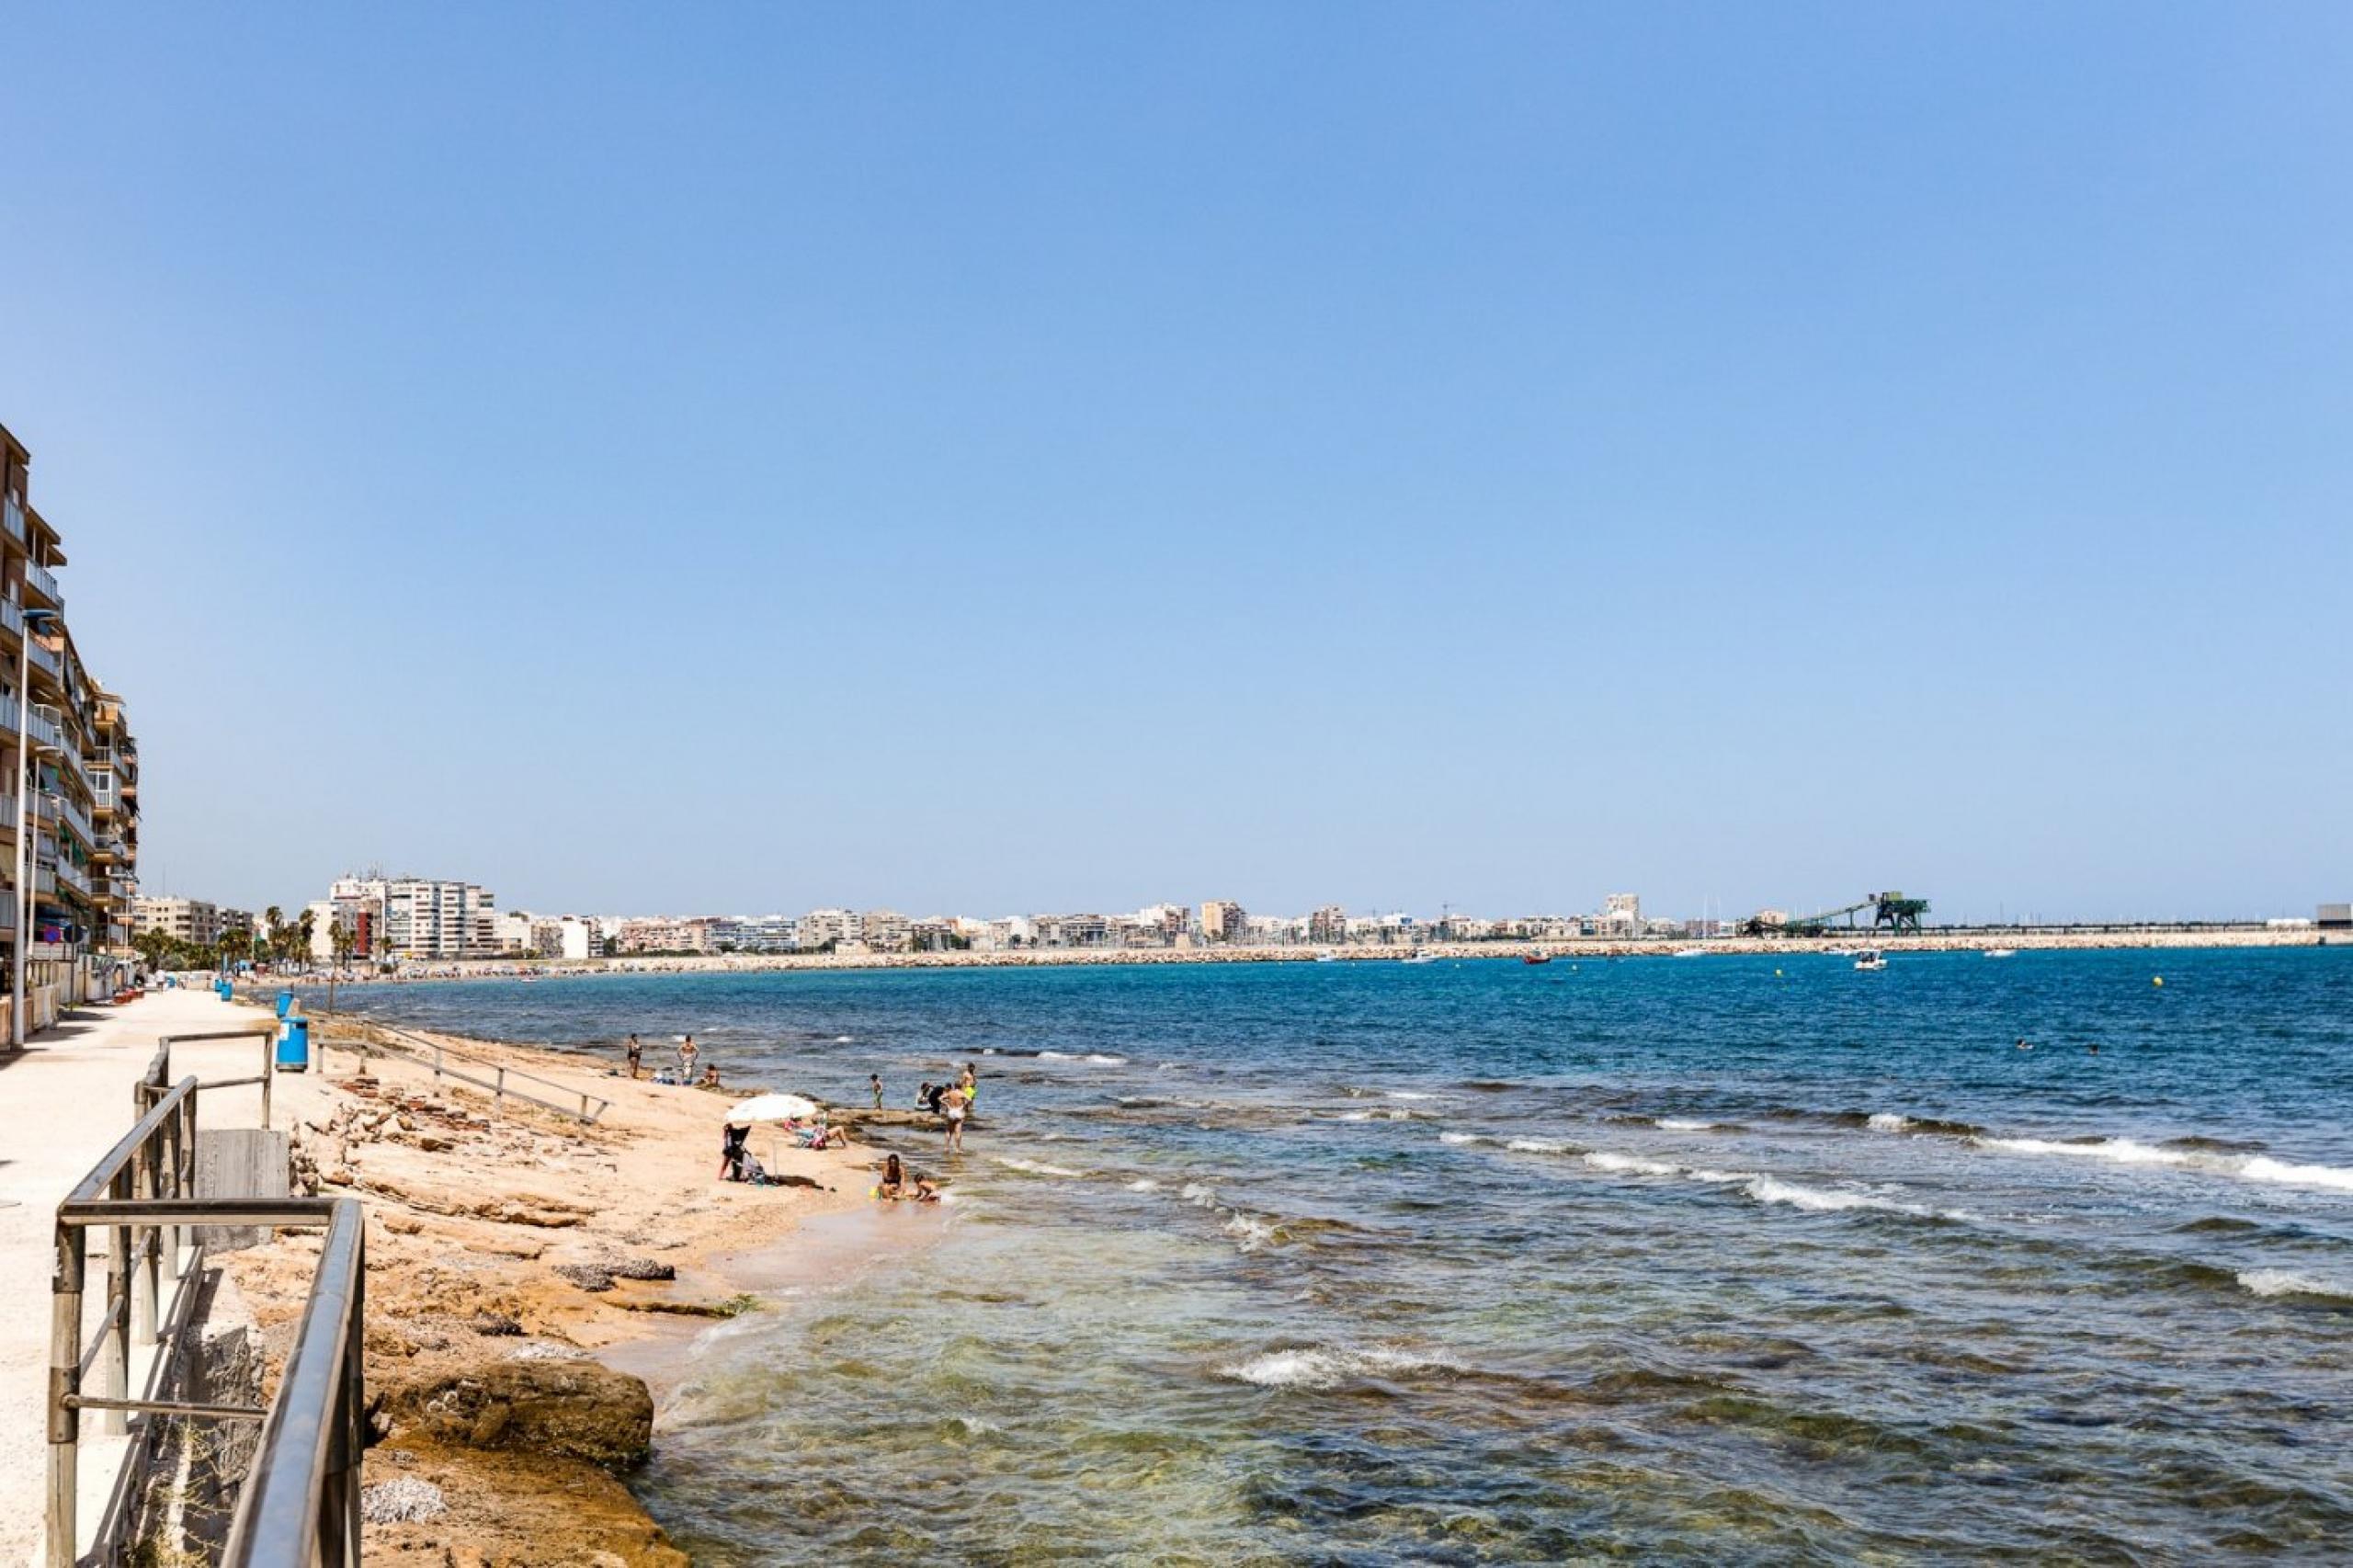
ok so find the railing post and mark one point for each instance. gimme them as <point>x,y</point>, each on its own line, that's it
<point>498,1095</point>
<point>114,1362</point>
<point>62,1520</point>
<point>268,1059</point>
<point>143,1249</point>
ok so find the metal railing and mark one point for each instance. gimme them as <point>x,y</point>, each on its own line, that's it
<point>41,577</point>
<point>301,1505</point>
<point>11,516</point>
<point>143,1192</point>
<point>502,1080</point>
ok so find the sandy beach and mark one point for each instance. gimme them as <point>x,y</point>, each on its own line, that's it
<point>508,1252</point>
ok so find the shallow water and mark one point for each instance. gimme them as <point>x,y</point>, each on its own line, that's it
<point>1721,1259</point>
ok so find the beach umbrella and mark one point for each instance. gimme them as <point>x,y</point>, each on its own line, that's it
<point>772,1108</point>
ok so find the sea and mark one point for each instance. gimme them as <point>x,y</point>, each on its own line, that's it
<point>1718,1259</point>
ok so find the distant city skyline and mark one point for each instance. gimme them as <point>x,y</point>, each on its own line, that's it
<point>1061,459</point>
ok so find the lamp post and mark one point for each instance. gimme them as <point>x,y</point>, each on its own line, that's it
<point>33,620</point>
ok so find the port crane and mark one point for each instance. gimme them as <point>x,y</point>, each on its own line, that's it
<point>1890,911</point>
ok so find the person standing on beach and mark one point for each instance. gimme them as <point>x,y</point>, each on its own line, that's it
<point>687,1060</point>
<point>876,1079</point>
<point>636,1053</point>
<point>952,1105</point>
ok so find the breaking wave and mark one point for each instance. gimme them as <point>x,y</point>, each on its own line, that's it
<point>1318,1367</point>
<point>2130,1152</point>
<point>2284,1282</point>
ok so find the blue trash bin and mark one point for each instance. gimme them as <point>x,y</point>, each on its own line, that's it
<point>285,1002</point>
<point>294,1045</point>
<point>223,990</point>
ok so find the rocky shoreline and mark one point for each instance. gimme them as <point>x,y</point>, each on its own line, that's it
<point>508,1247</point>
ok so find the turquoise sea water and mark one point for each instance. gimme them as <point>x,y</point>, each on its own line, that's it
<point>1720,1259</point>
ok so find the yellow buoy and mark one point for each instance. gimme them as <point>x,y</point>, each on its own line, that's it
<point>2157,980</point>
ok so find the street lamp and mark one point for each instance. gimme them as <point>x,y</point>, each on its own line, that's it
<point>33,620</point>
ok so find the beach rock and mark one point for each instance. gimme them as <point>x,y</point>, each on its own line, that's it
<point>641,1269</point>
<point>403,1500</point>
<point>569,1409</point>
<point>590,1277</point>
<point>494,1324</point>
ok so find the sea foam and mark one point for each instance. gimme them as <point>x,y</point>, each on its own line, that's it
<point>1036,1167</point>
<point>1319,1367</point>
<point>2283,1282</point>
<point>2130,1152</point>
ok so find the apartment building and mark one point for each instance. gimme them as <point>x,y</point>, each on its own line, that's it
<point>182,919</point>
<point>416,917</point>
<point>1222,920</point>
<point>661,934</point>
<point>68,739</point>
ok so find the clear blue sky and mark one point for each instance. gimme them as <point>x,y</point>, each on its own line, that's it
<point>1002,458</point>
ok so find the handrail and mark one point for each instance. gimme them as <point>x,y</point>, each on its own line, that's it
<point>267,1033</point>
<point>498,1086</point>
<point>111,1163</point>
<point>300,1506</point>
<point>304,1495</point>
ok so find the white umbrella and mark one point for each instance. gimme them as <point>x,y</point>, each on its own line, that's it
<point>772,1108</point>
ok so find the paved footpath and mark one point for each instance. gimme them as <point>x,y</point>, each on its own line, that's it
<point>63,1103</point>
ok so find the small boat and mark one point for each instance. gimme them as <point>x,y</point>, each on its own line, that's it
<point>1421,956</point>
<point>1327,956</point>
<point>1536,958</point>
<point>2001,952</point>
<point>1690,953</point>
<point>1871,958</point>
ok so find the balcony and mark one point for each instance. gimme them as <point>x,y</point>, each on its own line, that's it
<point>74,878</point>
<point>12,618</point>
<point>13,515</point>
<point>43,659</point>
<point>58,807</point>
<point>42,581</point>
<point>43,728</point>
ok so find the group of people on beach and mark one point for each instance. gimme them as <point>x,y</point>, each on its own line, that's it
<point>951,1102</point>
<point>682,1073</point>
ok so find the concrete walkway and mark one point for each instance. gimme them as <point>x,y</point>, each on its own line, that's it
<point>63,1103</point>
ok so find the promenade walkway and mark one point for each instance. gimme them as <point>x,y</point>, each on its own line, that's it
<point>63,1103</point>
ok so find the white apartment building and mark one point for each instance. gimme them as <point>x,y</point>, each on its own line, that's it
<point>577,938</point>
<point>425,918</point>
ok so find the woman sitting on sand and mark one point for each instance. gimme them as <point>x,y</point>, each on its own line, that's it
<point>898,1185</point>
<point>817,1135</point>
